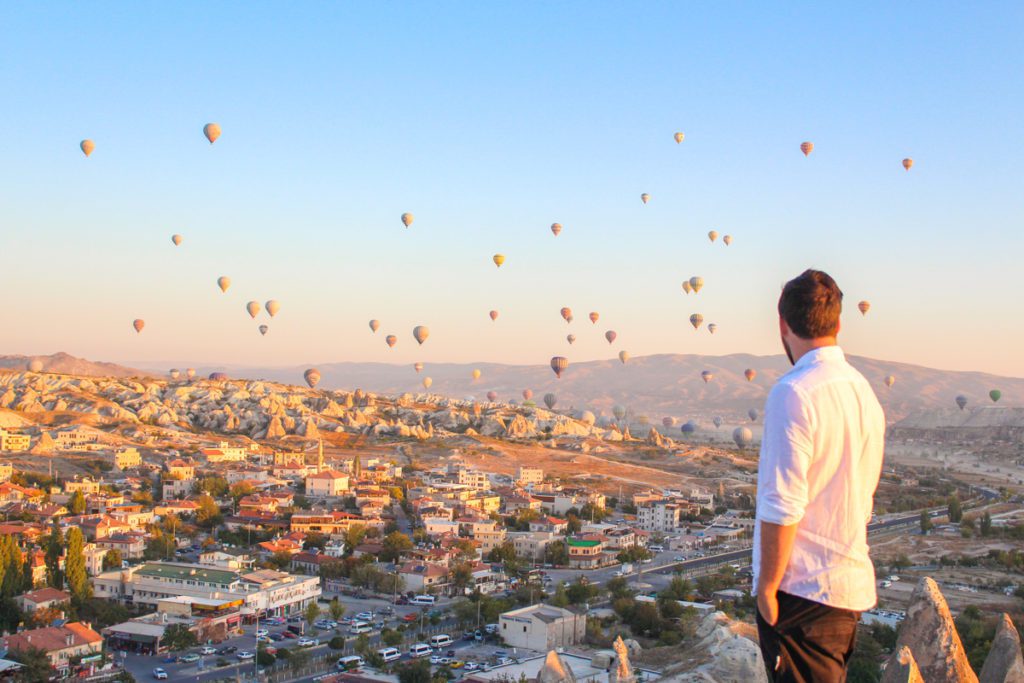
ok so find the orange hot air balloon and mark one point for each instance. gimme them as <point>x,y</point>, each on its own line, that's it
<point>679,137</point>
<point>750,374</point>
<point>494,315</point>
<point>223,282</point>
<point>418,367</point>
<point>87,146</point>
<point>374,325</point>
<point>138,324</point>
<point>407,219</point>
<point>807,148</point>
<point>571,338</point>
<point>391,340</point>
<point>420,333</point>
<point>476,374</point>
<point>556,228</point>
<point>566,314</point>
<point>610,335</point>
<point>212,132</point>
<point>864,307</point>
<point>254,308</point>
<point>712,235</point>
<point>427,382</point>
<point>686,286</point>
<point>645,197</point>
<point>312,377</point>
<point>594,316</point>
<point>498,259</point>
<point>559,365</point>
<point>272,307</point>
<point>527,394</point>
<point>907,163</point>
<point>176,239</point>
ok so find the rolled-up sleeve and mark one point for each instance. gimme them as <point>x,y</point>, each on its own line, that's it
<point>786,448</point>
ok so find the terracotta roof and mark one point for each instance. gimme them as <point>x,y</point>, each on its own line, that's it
<point>55,638</point>
<point>328,474</point>
<point>46,595</point>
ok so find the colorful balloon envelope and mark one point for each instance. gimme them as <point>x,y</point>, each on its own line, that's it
<point>264,329</point>
<point>492,396</point>
<point>87,146</point>
<point>645,197</point>
<point>391,340</point>
<point>727,240</point>
<point>559,365</point>
<point>476,374</point>
<point>571,338</point>
<point>707,376</point>
<point>312,377</point>
<point>177,240</point>
<point>712,327</point>
<point>995,395</point>
<point>556,229</point>
<point>498,259</point>
<point>623,356</point>
<point>696,319</point>
<point>864,307</point>
<point>961,401</point>
<point>890,380</point>
<point>407,219</point>
<point>212,132</point>
<point>418,367</point>
<point>679,137</point>
<point>566,313</point>
<point>138,324</point>
<point>420,333</point>
<point>494,315</point>
<point>272,307</point>
<point>374,325</point>
<point>253,307</point>
<point>550,400</point>
<point>742,436</point>
<point>750,374</point>
<point>527,394</point>
<point>594,316</point>
<point>907,163</point>
<point>712,235</point>
<point>687,287</point>
<point>223,282</point>
<point>697,283</point>
<point>427,382</point>
<point>807,148</point>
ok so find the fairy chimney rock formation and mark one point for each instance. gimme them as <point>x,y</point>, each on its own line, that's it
<point>929,633</point>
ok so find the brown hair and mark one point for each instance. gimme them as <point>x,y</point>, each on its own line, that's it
<point>810,304</point>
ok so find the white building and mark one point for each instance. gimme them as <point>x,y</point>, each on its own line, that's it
<point>542,628</point>
<point>658,515</point>
<point>525,476</point>
<point>329,483</point>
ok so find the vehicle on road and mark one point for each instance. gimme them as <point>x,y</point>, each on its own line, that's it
<point>435,659</point>
<point>679,558</point>
<point>423,600</point>
<point>440,641</point>
<point>262,632</point>
<point>189,658</point>
<point>656,548</point>
<point>350,662</point>
<point>289,634</point>
<point>491,629</point>
<point>208,650</point>
<point>364,616</point>
<point>276,637</point>
<point>245,654</point>
<point>359,627</point>
<point>389,654</point>
<point>410,617</point>
<point>227,650</point>
<point>308,642</point>
<point>159,674</point>
<point>457,664</point>
<point>420,650</point>
<point>472,666</point>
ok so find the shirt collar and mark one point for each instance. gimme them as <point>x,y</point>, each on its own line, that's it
<point>822,354</point>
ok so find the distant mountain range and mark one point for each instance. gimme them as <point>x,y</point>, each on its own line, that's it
<point>65,364</point>
<point>656,386</point>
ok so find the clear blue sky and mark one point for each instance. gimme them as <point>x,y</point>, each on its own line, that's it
<point>490,121</point>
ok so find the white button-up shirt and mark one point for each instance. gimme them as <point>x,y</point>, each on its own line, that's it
<point>821,457</point>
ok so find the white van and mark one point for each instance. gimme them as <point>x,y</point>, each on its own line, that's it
<point>420,650</point>
<point>389,654</point>
<point>349,663</point>
<point>440,641</point>
<point>358,627</point>
<point>656,548</point>
<point>423,600</point>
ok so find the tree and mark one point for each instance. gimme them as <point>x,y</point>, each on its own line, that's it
<point>336,643</point>
<point>281,559</point>
<point>213,486</point>
<point>561,596</point>
<point>391,637</point>
<point>54,549</point>
<point>414,672</point>
<point>112,560</point>
<point>312,612</point>
<point>264,658</point>
<point>556,554</point>
<point>985,525</point>
<point>337,609</point>
<point>76,504</point>
<point>208,514</point>
<point>926,522</point>
<point>179,637</point>
<point>461,577</point>
<point>160,546</point>
<point>395,544</point>
<point>354,535</point>
<point>956,513</point>
<point>362,645</point>
<point>298,659</point>
<point>35,663</point>
<point>74,567</point>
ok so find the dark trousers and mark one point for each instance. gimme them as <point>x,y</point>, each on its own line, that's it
<point>810,643</point>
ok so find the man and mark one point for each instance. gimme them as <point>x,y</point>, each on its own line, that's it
<point>821,457</point>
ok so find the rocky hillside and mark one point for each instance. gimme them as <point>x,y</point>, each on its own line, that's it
<point>66,364</point>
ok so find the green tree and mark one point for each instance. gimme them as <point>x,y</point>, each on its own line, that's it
<point>354,536</point>
<point>956,512</point>
<point>391,637</point>
<point>337,609</point>
<point>54,549</point>
<point>240,490</point>
<point>179,637</point>
<point>76,504</point>
<point>985,526</point>
<point>395,544</point>
<point>461,577</point>
<point>561,596</point>
<point>926,522</point>
<point>298,659</point>
<point>362,644</point>
<point>11,564</point>
<point>556,554</point>
<point>74,567</point>
<point>264,658</point>
<point>312,612</point>
<point>213,486</point>
<point>336,643</point>
<point>35,664</point>
<point>112,560</point>
<point>208,514</point>
<point>417,671</point>
<point>280,560</point>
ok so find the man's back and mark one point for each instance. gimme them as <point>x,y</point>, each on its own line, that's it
<point>821,457</point>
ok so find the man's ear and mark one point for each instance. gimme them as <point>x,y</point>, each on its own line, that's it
<point>783,327</point>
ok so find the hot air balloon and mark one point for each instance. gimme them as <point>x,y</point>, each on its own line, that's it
<point>752,414</point>
<point>742,436</point>
<point>420,333</point>
<point>87,147</point>
<point>697,283</point>
<point>177,239</point>
<point>707,376</point>
<point>668,422</point>
<point>717,421</point>
<point>566,313</point>
<point>494,315</point>
<point>218,377</point>
<point>907,163</point>
<point>571,338</point>
<point>679,137</point>
<point>391,340</point>
<point>174,373</point>
<point>558,365</point>
<point>407,219</point>
<point>527,394</point>
<point>619,412</point>
<point>212,132</point>
<point>645,197</point>
<point>427,382</point>
<point>263,329</point>
<point>312,377</point>
<point>550,400</point>
<point>686,286</point>
<point>498,259</point>
<point>689,427</point>
<point>272,307</point>
<point>623,356</point>
<point>223,282</point>
<point>961,401</point>
<point>750,374</point>
<point>418,367</point>
<point>890,380</point>
<point>594,316</point>
<point>807,148</point>
<point>190,373</point>
<point>254,308</point>
<point>374,325</point>
<point>610,335</point>
<point>727,239</point>
<point>864,307</point>
<point>712,327</point>
<point>696,319</point>
<point>476,374</point>
<point>712,235</point>
<point>35,365</point>
<point>995,395</point>
<point>556,228</point>
<point>492,396</point>
<point>138,324</point>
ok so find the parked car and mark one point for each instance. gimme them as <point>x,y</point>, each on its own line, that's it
<point>289,634</point>
<point>262,632</point>
<point>169,659</point>
<point>364,616</point>
<point>208,650</point>
<point>457,664</point>
<point>308,642</point>
<point>410,617</point>
<point>435,659</point>
<point>227,650</point>
<point>277,637</point>
<point>245,654</point>
<point>472,666</point>
<point>159,674</point>
<point>189,658</point>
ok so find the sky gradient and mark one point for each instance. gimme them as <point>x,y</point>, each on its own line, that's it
<point>489,122</point>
